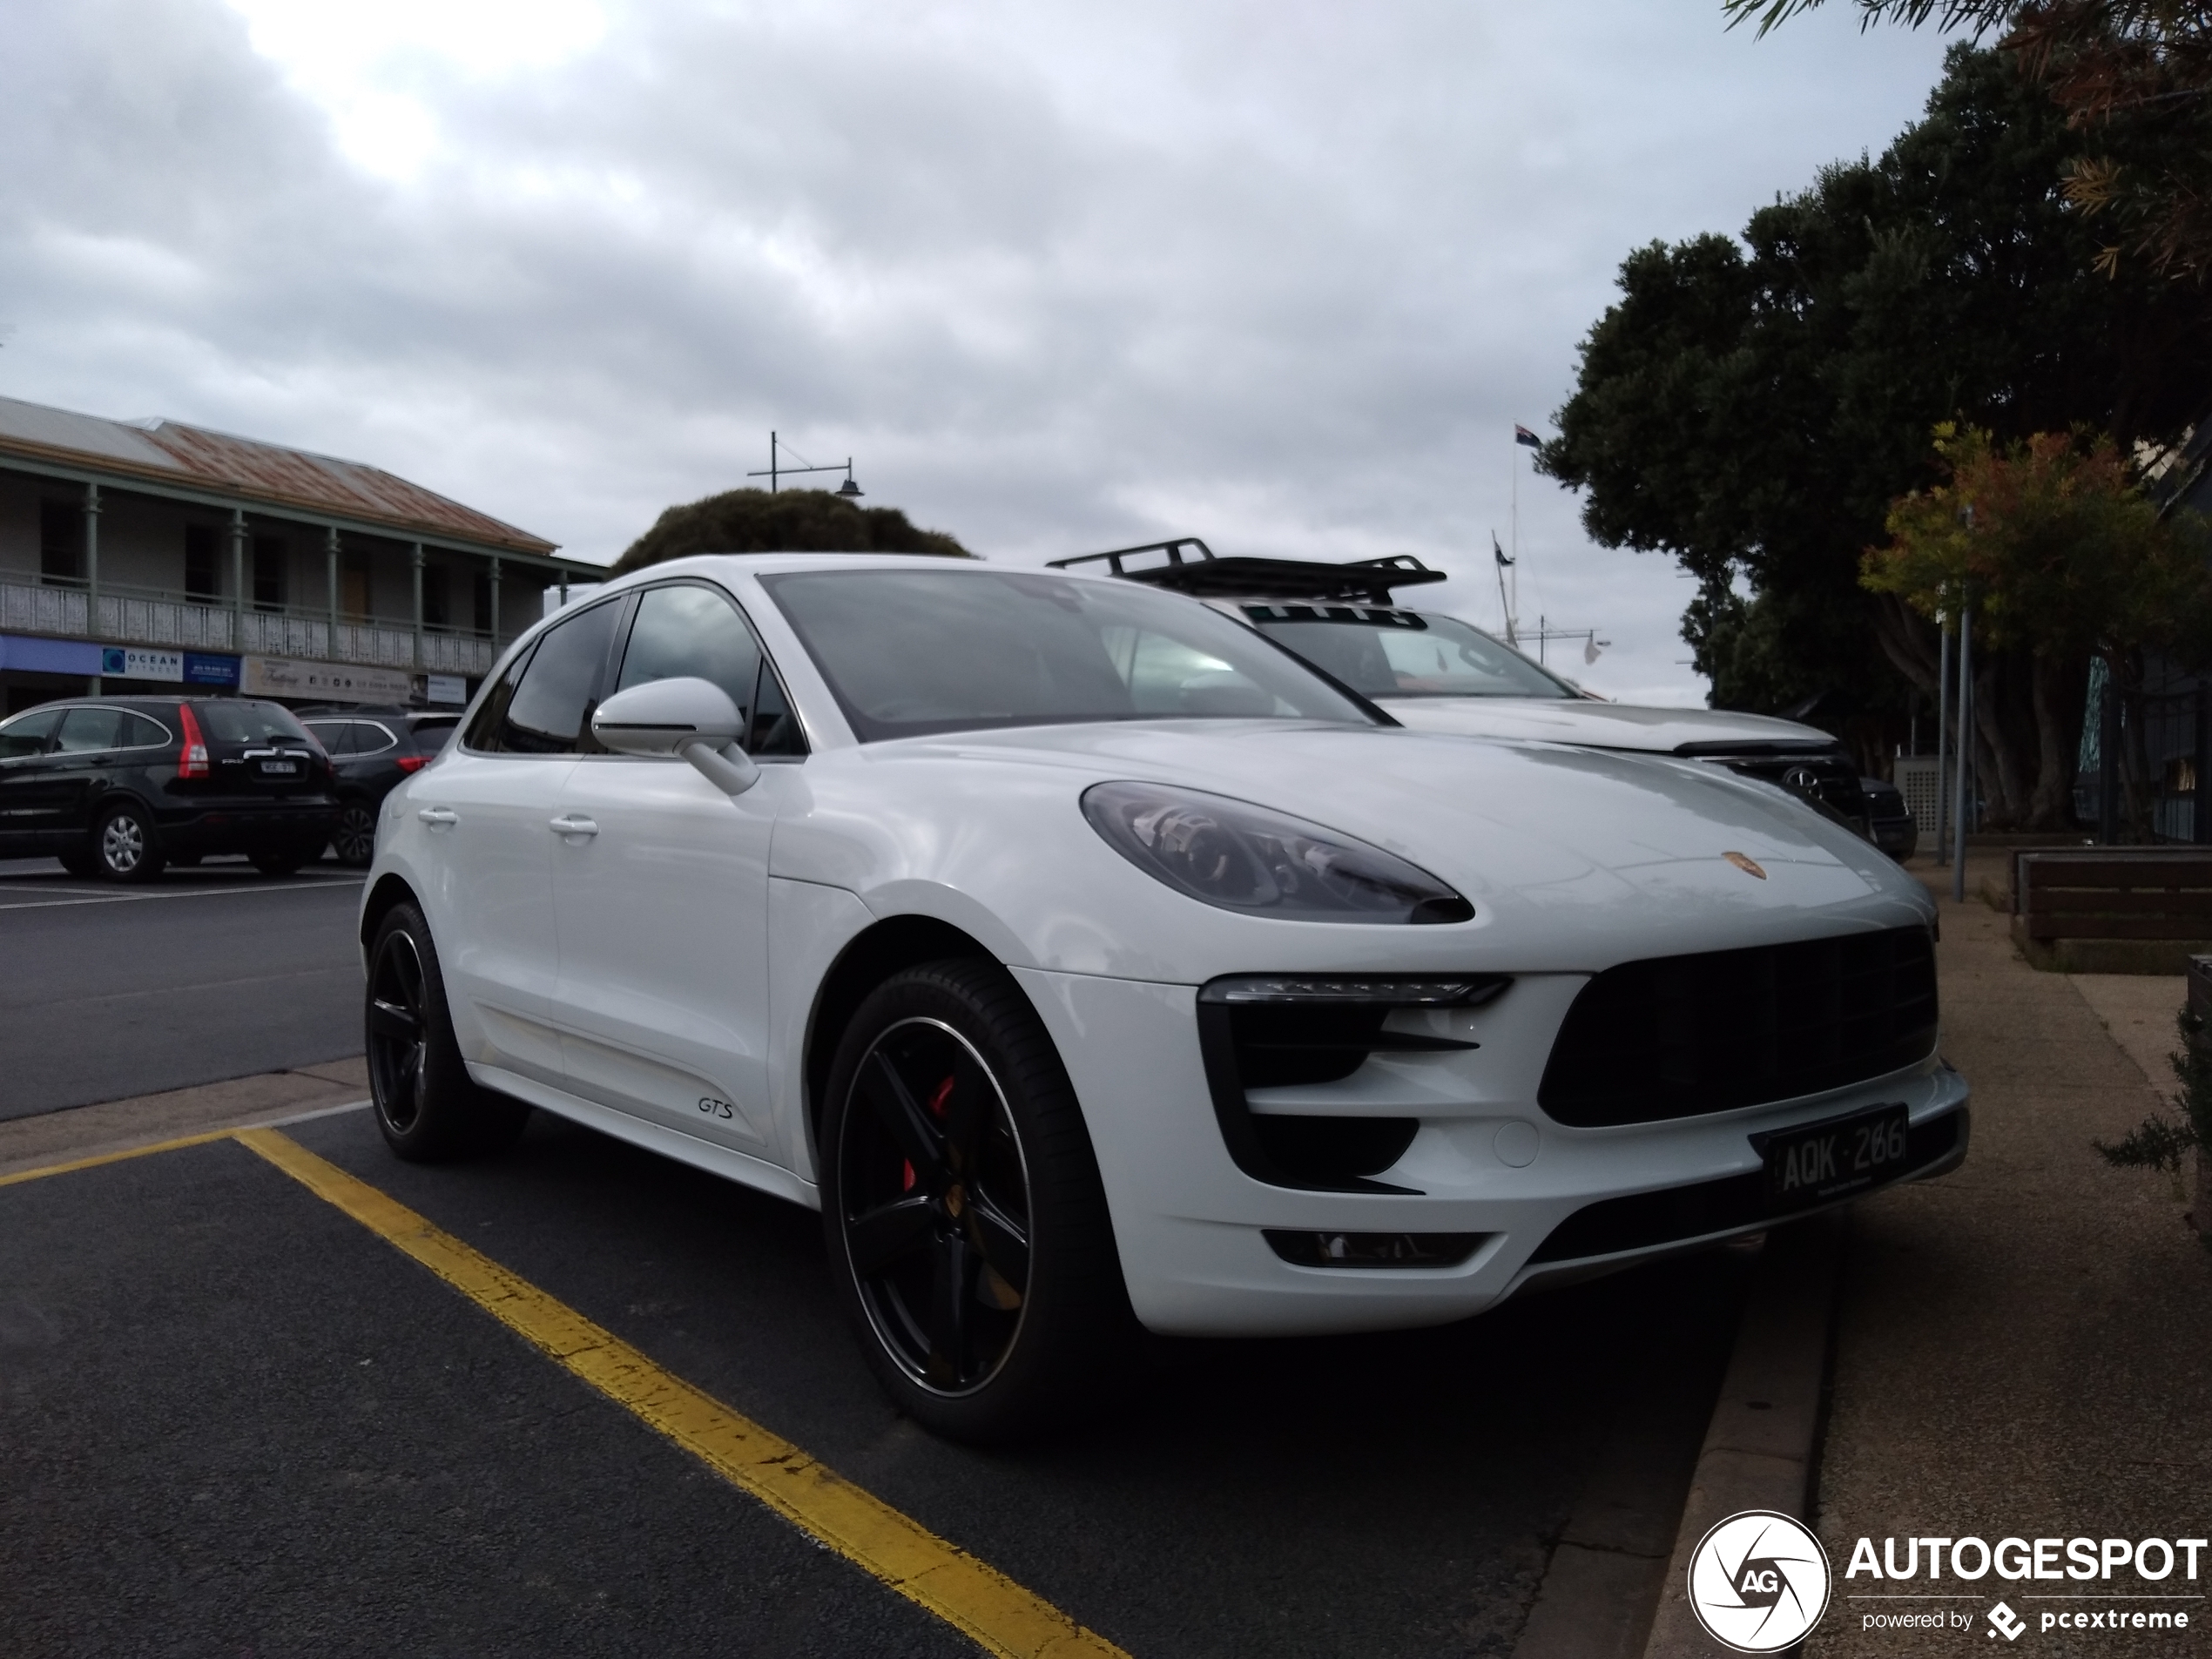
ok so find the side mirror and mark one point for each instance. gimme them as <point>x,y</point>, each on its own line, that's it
<point>693,718</point>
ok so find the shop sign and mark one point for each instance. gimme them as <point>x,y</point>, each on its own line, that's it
<point>210,668</point>
<point>446,688</point>
<point>322,682</point>
<point>131,663</point>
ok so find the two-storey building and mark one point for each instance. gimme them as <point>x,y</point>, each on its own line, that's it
<point>134,552</point>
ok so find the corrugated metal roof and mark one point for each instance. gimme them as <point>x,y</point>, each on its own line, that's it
<point>295,480</point>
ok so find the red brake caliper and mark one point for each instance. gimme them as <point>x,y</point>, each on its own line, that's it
<point>936,1109</point>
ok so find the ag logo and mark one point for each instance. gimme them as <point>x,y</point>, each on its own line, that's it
<point>1758,1582</point>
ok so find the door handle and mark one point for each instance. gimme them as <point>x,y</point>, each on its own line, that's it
<point>570,823</point>
<point>439,817</point>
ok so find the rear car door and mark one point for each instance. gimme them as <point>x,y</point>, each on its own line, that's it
<point>489,863</point>
<point>30,791</point>
<point>660,885</point>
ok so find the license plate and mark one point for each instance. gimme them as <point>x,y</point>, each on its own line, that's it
<point>280,768</point>
<point>1823,1162</point>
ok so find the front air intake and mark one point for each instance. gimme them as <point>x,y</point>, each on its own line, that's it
<point>1679,1035</point>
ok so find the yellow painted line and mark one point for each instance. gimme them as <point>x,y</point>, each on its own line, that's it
<point>972,1597</point>
<point>92,1163</point>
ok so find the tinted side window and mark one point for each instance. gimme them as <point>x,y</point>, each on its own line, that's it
<point>553,704</point>
<point>430,736</point>
<point>688,631</point>
<point>335,736</point>
<point>491,714</point>
<point>371,737</point>
<point>140,732</point>
<point>27,734</point>
<point>87,730</point>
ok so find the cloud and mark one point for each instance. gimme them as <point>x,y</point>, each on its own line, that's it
<point>1057,277</point>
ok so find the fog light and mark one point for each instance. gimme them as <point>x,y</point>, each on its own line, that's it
<point>1302,1249</point>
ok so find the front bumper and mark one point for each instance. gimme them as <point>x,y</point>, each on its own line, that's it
<point>1190,1224</point>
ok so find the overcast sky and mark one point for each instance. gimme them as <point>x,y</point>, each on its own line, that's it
<point>1058,277</point>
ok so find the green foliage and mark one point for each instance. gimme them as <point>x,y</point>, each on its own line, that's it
<point>785,520</point>
<point>1752,408</point>
<point>2059,549</point>
<point>2159,1143</point>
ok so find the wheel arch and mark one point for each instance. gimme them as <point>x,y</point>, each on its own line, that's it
<point>872,956</point>
<point>390,892</point>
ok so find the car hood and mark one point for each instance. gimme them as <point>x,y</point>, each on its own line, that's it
<point>1573,857</point>
<point>1598,725</point>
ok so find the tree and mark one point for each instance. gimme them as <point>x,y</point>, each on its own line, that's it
<point>2136,72</point>
<point>2058,553</point>
<point>1752,408</point>
<point>785,521</point>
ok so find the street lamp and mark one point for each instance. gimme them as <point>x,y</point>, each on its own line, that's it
<point>775,470</point>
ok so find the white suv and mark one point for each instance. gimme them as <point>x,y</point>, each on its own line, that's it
<point>1088,961</point>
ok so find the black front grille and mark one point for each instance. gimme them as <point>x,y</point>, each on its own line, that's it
<point>1825,776</point>
<point>1678,1036</point>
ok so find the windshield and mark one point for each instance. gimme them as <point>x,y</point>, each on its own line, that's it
<point>912,653</point>
<point>1403,653</point>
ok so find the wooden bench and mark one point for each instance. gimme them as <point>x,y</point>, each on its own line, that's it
<point>2113,909</point>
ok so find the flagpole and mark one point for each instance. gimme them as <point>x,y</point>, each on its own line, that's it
<point>1513,617</point>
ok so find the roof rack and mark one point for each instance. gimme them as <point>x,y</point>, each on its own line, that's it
<point>1206,576</point>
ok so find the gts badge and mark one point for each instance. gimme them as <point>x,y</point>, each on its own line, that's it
<point>714,1107</point>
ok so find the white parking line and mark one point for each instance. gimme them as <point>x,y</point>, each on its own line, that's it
<point>7,904</point>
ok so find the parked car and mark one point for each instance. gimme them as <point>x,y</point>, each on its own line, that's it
<point>1081,956</point>
<point>120,786</point>
<point>372,748</point>
<point>1436,673</point>
<point>1894,829</point>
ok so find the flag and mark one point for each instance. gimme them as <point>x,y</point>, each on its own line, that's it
<point>1522,434</point>
<point>1499,553</point>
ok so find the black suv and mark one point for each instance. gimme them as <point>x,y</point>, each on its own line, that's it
<point>119,786</point>
<point>373,747</point>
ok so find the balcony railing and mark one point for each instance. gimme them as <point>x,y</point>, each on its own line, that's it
<point>142,616</point>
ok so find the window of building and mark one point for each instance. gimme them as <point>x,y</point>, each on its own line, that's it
<point>61,541</point>
<point>483,597</point>
<point>203,571</point>
<point>433,597</point>
<point>270,557</point>
<point>353,583</point>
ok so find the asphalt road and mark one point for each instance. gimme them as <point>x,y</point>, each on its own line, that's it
<point>240,1423</point>
<point>207,973</point>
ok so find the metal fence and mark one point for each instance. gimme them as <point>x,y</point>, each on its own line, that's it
<point>2146,763</point>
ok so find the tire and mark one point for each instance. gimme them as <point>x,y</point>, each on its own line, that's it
<point>966,1222</point>
<point>354,842</point>
<point>125,846</point>
<point>427,1106</point>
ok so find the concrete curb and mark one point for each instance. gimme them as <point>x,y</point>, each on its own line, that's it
<point>118,1125</point>
<point>1761,1447</point>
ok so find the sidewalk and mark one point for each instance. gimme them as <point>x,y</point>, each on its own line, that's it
<point>2025,1346</point>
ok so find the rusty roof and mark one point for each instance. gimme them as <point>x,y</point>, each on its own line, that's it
<point>253,472</point>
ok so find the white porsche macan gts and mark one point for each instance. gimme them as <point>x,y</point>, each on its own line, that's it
<point>1089,962</point>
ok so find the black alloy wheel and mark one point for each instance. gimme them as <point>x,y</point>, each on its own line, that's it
<point>355,841</point>
<point>123,844</point>
<point>965,1217</point>
<point>427,1108</point>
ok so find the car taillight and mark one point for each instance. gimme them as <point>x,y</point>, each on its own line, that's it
<point>412,762</point>
<point>192,763</point>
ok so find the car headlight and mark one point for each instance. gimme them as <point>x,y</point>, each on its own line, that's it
<point>1263,863</point>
